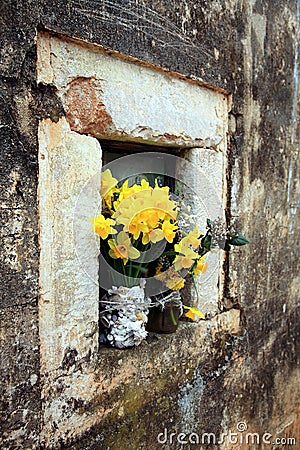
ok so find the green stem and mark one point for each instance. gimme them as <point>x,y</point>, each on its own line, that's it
<point>172,316</point>
<point>195,286</point>
<point>138,266</point>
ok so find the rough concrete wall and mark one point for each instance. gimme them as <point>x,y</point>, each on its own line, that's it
<point>265,197</point>
<point>22,104</point>
<point>250,48</point>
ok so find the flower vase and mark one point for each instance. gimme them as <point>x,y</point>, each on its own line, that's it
<point>165,314</point>
<point>123,317</point>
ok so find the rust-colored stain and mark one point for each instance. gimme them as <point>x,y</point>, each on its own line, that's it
<point>86,112</point>
<point>170,137</point>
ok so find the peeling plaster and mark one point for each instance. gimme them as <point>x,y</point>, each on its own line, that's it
<point>186,114</point>
<point>69,299</point>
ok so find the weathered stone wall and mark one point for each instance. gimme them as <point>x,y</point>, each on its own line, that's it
<point>243,365</point>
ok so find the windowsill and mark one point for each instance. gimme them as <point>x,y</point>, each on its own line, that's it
<point>188,339</point>
<point>159,339</point>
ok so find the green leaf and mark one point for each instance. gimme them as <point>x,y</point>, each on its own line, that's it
<point>206,241</point>
<point>239,240</point>
<point>169,253</point>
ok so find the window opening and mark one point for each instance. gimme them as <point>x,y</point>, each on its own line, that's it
<point>113,150</point>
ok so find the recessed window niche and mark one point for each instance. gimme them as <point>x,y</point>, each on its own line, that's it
<point>110,98</point>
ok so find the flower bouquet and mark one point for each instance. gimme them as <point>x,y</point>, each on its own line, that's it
<point>146,235</point>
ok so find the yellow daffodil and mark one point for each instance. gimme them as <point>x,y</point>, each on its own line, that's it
<point>136,227</point>
<point>148,216</point>
<point>169,229</point>
<point>143,203</point>
<point>161,201</point>
<point>192,239</point>
<point>186,256</point>
<point>175,285</point>
<point>193,313</point>
<point>170,278</point>
<point>122,248</point>
<point>183,262</point>
<point>201,267</point>
<point>153,236</point>
<point>103,226</point>
<point>108,187</point>
<point>107,182</point>
<point>127,191</point>
<point>127,209</point>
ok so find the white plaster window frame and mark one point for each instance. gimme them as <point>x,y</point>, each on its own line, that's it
<point>192,116</point>
<point>92,84</point>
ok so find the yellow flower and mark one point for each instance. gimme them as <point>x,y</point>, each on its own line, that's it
<point>169,230</point>
<point>201,267</point>
<point>103,226</point>
<point>144,210</point>
<point>150,216</point>
<point>153,236</point>
<point>127,191</point>
<point>193,312</point>
<point>108,187</point>
<point>171,284</point>
<point>148,197</point>
<point>107,182</point>
<point>193,238</point>
<point>161,201</point>
<point>135,227</point>
<point>122,248</point>
<point>170,278</point>
<point>126,209</point>
<point>186,257</point>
